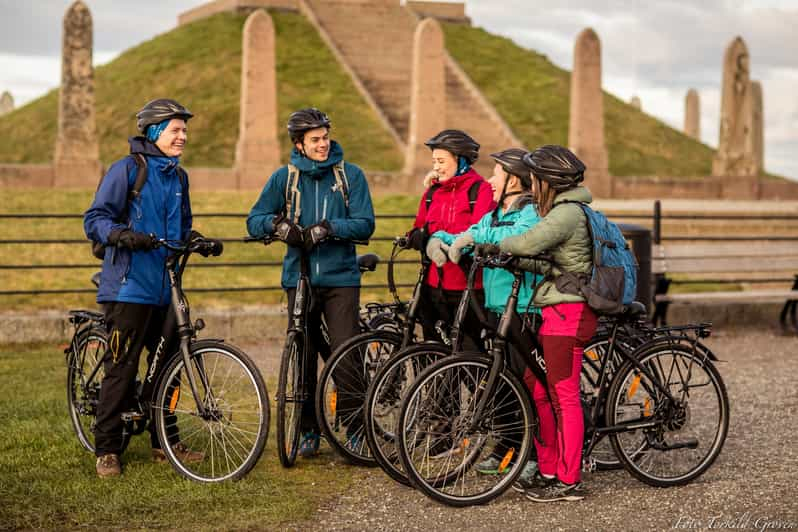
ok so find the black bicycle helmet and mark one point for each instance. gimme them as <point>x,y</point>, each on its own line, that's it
<point>512,160</point>
<point>457,142</point>
<point>157,111</point>
<point>304,120</point>
<point>556,165</point>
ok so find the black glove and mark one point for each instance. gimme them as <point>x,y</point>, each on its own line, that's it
<point>317,233</point>
<point>211,246</point>
<point>288,231</point>
<point>417,238</point>
<point>484,250</point>
<point>133,240</point>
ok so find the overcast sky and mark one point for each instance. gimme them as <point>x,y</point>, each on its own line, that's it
<point>654,49</point>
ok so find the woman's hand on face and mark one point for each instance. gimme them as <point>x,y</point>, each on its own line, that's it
<point>431,178</point>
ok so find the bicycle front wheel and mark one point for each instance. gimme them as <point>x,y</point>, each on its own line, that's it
<point>83,389</point>
<point>437,444</point>
<point>290,398</point>
<point>342,392</point>
<point>687,434</point>
<point>226,440</point>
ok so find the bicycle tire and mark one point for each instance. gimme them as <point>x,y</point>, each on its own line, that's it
<point>233,434</point>
<point>677,422</point>
<point>86,349</point>
<point>340,412</point>
<point>382,405</point>
<point>289,397</point>
<point>466,371</point>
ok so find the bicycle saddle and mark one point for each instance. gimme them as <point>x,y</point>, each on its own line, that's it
<point>368,262</point>
<point>95,279</point>
<point>634,309</point>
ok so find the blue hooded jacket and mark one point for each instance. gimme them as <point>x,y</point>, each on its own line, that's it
<point>333,263</point>
<point>162,208</point>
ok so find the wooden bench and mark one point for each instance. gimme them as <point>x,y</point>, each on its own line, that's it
<point>740,262</point>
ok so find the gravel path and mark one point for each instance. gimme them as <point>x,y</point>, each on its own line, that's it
<point>752,484</point>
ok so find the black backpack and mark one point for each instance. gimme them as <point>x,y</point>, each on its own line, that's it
<point>473,192</point>
<point>98,248</point>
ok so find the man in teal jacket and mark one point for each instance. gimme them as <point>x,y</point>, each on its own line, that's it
<point>319,205</point>
<point>514,214</point>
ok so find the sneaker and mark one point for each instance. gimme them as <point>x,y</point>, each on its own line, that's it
<point>108,465</point>
<point>558,491</point>
<point>353,443</point>
<point>534,482</point>
<point>309,446</point>
<point>182,451</point>
<point>489,466</point>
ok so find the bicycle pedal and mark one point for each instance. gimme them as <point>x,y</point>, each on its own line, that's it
<point>127,417</point>
<point>589,465</point>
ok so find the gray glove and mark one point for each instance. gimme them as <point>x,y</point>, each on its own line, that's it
<point>463,241</point>
<point>436,251</point>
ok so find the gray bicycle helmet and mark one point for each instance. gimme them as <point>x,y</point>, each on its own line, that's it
<point>456,142</point>
<point>512,160</point>
<point>304,120</point>
<point>157,111</point>
<point>556,165</point>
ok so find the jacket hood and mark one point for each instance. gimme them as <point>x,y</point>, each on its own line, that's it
<point>315,168</point>
<point>143,146</point>
<point>521,201</point>
<point>455,181</point>
<point>579,193</point>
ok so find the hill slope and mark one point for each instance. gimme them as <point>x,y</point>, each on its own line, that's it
<point>200,65</point>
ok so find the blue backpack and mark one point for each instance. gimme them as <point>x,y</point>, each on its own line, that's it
<point>613,282</point>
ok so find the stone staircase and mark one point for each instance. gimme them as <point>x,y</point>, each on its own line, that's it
<point>376,41</point>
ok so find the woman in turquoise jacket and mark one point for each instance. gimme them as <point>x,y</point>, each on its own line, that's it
<point>514,214</point>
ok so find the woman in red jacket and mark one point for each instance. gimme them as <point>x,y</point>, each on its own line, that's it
<point>456,197</point>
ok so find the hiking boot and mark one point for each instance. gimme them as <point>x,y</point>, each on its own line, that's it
<point>108,465</point>
<point>558,491</point>
<point>354,443</point>
<point>533,482</point>
<point>309,446</point>
<point>184,454</point>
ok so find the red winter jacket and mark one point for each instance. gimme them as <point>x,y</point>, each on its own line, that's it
<point>449,211</point>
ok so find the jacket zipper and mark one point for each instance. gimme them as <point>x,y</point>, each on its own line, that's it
<point>316,252</point>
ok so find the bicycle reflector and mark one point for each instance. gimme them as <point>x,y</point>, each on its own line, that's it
<point>506,460</point>
<point>174,399</point>
<point>633,387</point>
<point>333,401</point>
<point>592,355</point>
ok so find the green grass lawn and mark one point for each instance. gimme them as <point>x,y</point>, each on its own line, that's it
<point>47,479</point>
<point>197,275</point>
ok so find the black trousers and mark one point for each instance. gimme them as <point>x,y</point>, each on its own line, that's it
<point>441,305</point>
<point>131,327</point>
<point>340,307</point>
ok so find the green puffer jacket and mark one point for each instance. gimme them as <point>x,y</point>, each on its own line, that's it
<point>563,235</point>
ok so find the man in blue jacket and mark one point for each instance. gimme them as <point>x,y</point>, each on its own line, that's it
<point>134,288</point>
<point>323,204</point>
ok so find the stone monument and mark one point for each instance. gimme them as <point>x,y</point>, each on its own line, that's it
<point>6,103</point>
<point>758,126</point>
<point>635,102</point>
<point>692,115</point>
<point>586,124</point>
<point>735,155</point>
<point>77,152</point>
<point>257,150</point>
<point>427,98</point>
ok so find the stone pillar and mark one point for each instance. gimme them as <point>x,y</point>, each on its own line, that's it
<point>586,124</point>
<point>735,155</point>
<point>257,150</point>
<point>758,127</point>
<point>77,152</point>
<point>427,99</point>
<point>692,115</point>
<point>635,102</point>
<point>6,103</point>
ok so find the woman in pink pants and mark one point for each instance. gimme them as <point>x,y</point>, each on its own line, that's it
<point>568,323</point>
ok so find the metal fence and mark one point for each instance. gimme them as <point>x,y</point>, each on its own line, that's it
<point>654,220</point>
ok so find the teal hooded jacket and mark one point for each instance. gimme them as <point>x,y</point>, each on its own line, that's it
<point>333,263</point>
<point>519,218</point>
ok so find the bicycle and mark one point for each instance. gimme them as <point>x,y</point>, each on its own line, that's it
<point>208,392</point>
<point>648,409</point>
<point>292,384</point>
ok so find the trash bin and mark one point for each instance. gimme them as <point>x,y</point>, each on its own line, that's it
<point>640,240</point>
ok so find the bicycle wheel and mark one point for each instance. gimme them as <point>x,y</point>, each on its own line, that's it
<point>290,397</point>
<point>342,392</point>
<point>228,439</point>
<point>437,447</point>
<point>688,434</point>
<point>83,390</point>
<point>384,397</point>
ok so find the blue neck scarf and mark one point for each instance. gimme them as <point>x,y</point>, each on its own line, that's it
<point>462,165</point>
<point>154,130</point>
